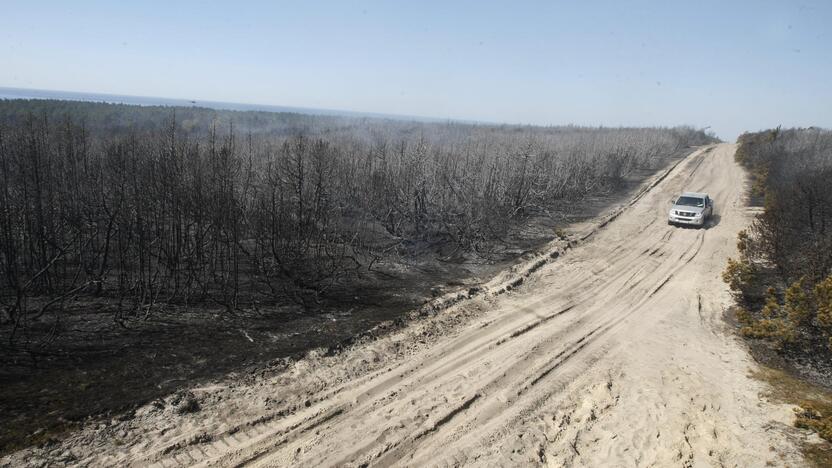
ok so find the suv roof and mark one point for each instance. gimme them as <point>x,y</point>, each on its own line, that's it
<point>694,194</point>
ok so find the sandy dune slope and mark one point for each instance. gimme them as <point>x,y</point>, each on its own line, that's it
<point>614,354</point>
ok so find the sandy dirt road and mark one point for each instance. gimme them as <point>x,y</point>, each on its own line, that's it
<point>614,354</point>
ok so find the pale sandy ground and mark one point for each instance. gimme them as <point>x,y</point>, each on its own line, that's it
<point>613,354</point>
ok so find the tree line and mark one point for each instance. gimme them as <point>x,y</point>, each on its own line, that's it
<point>194,206</point>
<point>783,276</point>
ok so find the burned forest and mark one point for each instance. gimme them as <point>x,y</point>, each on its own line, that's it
<point>220,214</point>
<point>117,221</point>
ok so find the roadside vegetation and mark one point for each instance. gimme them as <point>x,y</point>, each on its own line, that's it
<point>783,276</point>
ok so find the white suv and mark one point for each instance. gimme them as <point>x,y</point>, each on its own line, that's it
<point>692,209</point>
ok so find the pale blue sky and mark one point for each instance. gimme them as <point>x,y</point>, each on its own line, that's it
<point>735,66</point>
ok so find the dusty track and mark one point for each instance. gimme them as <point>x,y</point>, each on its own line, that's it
<point>615,354</point>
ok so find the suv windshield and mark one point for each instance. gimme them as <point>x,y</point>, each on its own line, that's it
<point>691,201</point>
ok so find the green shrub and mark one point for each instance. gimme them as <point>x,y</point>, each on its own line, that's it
<point>744,317</point>
<point>774,324</point>
<point>798,303</point>
<point>742,242</point>
<point>822,296</point>
<point>815,417</point>
<point>740,276</point>
<point>823,301</point>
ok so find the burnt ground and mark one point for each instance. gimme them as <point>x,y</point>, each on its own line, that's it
<point>811,361</point>
<point>96,367</point>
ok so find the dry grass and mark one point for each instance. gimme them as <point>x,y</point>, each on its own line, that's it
<point>814,410</point>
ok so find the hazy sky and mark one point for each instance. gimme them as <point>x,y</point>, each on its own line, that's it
<point>733,65</point>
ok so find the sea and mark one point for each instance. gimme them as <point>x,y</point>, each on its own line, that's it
<point>23,93</point>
